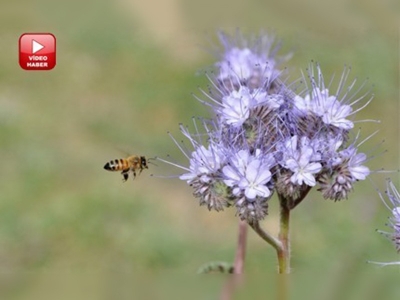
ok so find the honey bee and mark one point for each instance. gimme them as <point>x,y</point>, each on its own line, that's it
<point>132,164</point>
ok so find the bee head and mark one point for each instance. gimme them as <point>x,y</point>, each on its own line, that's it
<point>143,162</point>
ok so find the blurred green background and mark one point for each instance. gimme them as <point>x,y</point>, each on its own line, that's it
<point>125,71</point>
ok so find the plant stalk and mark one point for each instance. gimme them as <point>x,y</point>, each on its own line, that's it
<point>284,251</point>
<point>274,242</point>
<point>238,264</point>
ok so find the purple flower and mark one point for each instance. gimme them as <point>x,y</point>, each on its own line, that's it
<point>303,170</point>
<point>346,168</point>
<point>249,174</point>
<point>236,106</point>
<point>354,163</point>
<point>298,158</point>
<point>332,109</point>
<point>204,163</point>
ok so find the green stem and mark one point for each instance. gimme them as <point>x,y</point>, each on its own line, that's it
<point>282,243</point>
<point>266,236</point>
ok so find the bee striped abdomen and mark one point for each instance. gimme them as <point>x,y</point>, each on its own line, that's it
<point>117,165</point>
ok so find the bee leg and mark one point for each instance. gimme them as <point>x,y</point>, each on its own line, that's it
<point>134,174</point>
<point>126,175</point>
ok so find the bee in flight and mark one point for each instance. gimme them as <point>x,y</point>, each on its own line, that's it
<point>132,164</point>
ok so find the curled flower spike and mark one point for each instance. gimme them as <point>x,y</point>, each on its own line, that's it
<point>252,60</point>
<point>346,170</point>
<point>333,110</point>
<point>394,220</point>
<point>327,107</point>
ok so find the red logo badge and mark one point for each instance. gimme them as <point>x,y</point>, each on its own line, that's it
<point>37,51</point>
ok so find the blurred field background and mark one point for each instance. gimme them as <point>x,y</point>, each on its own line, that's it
<point>125,71</point>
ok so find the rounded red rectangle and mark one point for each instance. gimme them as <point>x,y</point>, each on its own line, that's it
<point>37,51</point>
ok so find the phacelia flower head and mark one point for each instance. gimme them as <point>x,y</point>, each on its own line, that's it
<point>265,137</point>
<point>204,172</point>
<point>348,168</point>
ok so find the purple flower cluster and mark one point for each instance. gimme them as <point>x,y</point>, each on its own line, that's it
<point>266,137</point>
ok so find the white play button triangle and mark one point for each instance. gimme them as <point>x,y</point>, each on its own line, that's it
<point>36,46</point>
